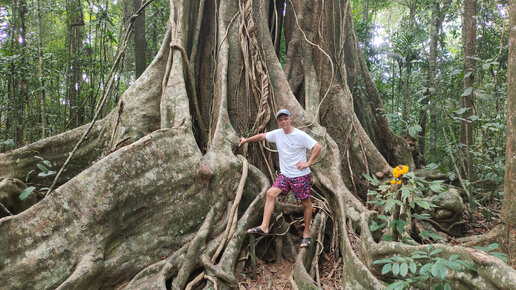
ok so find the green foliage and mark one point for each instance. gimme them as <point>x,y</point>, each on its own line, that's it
<point>422,269</point>
<point>412,194</point>
<point>490,251</point>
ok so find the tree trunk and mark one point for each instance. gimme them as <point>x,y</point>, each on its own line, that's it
<point>469,34</point>
<point>509,208</point>
<point>158,193</point>
<point>42,114</point>
<point>140,42</point>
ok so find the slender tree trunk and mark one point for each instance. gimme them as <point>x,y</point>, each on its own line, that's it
<point>469,34</point>
<point>73,82</point>
<point>23,84</point>
<point>140,42</point>
<point>509,204</point>
<point>43,116</point>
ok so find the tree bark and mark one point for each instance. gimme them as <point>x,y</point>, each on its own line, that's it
<point>150,203</point>
<point>509,208</point>
<point>469,34</point>
<point>140,42</point>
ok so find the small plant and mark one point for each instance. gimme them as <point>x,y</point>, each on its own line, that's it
<point>422,268</point>
<point>404,189</point>
<point>489,250</point>
<point>44,172</point>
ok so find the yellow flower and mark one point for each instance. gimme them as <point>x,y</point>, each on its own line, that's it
<point>393,181</point>
<point>399,181</point>
<point>399,170</point>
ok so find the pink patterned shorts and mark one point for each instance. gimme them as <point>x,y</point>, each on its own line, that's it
<point>299,185</point>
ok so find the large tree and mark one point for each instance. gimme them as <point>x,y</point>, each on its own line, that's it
<point>157,192</point>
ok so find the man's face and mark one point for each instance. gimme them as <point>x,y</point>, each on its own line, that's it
<point>284,121</point>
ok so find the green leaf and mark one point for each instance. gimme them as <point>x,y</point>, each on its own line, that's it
<point>432,166</point>
<point>47,163</point>
<point>428,234</point>
<point>26,192</point>
<point>467,92</point>
<point>386,268</point>
<point>414,130</point>
<point>486,66</point>
<point>396,286</point>
<point>42,168</point>
<point>421,216</point>
<point>413,267</point>
<point>460,111</point>
<point>403,269</point>
<point>8,143</point>
<point>467,75</point>
<point>405,192</point>
<point>395,269</point>
<point>43,174</point>
<point>424,204</point>
<point>467,265</point>
<point>373,180</point>
<point>435,186</point>
<point>382,261</point>
<point>447,286</point>
<point>453,257</point>
<point>435,252</point>
<point>425,268</point>
<point>499,255</point>
<point>492,246</point>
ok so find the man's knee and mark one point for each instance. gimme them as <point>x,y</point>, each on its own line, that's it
<point>306,202</point>
<point>273,192</point>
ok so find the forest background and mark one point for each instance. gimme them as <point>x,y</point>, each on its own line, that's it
<point>440,68</point>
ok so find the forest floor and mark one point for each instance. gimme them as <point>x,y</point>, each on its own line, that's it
<point>275,275</point>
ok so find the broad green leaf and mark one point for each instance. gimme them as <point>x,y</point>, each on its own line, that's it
<point>47,163</point>
<point>403,269</point>
<point>435,252</point>
<point>405,192</point>
<point>373,180</point>
<point>447,286</point>
<point>395,269</point>
<point>499,255</point>
<point>414,130</point>
<point>454,265</point>
<point>493,246</point>
<point>386,268</point>
<point>467,265</point>
<point>8,143</point>
<point>421,216</point>
<point>467,92</point>
<point>382,261</point>
<point>432,166</point>
<point>424,204</point>
<point>425,268</point>
<point>460,111</point>
<point>467,75</point>
<point>453,257</point>
<point>26,192</point>
<point>486,66</point>
<point>398,285</point>
<point>480,248</point>
<point>413,267</point>
<point>42,168</point>
<point>435,186</point>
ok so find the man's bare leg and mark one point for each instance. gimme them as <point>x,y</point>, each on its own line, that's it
<point>272,194</point>
<point>307,216</point>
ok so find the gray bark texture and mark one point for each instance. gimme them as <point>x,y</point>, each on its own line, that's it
<point>160,196</point>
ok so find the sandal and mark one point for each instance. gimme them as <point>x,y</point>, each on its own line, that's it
<point>256,230</point>
<point>305,242</point>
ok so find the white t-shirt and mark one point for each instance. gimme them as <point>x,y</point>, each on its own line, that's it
<point>291,149</point>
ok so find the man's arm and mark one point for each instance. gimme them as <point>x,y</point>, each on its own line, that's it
<point>315,152</point>
<point>255,138</point>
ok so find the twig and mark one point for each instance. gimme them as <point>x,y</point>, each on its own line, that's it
<point>5,208</point>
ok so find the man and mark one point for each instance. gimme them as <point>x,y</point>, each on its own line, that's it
<point>292,144</point>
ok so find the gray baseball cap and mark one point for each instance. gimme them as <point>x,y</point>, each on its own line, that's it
<point>283,112</point>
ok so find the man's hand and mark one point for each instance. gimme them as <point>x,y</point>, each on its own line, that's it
<point>242,141</point>
<point>302,165</point>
